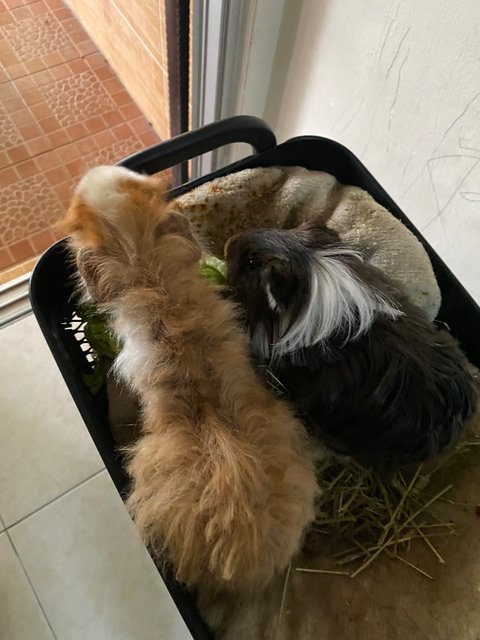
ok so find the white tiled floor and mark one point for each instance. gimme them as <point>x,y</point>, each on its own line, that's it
<point>72,565</point>
<point>46,448</point>
<point>21,616</point>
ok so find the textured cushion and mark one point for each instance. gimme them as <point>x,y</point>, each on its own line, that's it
<point>285,197</point>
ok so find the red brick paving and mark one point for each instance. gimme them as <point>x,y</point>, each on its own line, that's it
<point>62,110</point>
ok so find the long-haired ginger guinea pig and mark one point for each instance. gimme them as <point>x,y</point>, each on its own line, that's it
<point>368,374</point>
<point>222,479</point>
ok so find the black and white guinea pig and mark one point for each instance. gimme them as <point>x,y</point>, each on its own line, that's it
<point>366,371</point>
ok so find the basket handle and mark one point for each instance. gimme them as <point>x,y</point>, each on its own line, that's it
<point>188,145</point>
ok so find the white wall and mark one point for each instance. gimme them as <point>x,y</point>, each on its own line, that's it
<point>398,82</point>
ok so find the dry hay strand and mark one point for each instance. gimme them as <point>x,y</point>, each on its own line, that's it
<point>364,516</point>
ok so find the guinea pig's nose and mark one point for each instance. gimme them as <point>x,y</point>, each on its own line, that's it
<point>228,244</point>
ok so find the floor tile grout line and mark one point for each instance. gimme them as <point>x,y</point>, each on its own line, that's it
<point>134,134</point>
<point>81,56</point>
<point>45,135</point>
<point>49,502</point>
<point>72,179</point>
<point>37,598</point>
<point>73,44</point>
<point>22,5</point>
<point>77,140</point>
<point>53,66</point>
<point>108,128</point>
<point>88,135</point>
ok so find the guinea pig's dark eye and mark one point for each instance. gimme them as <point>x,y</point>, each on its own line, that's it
<point>252,262</point>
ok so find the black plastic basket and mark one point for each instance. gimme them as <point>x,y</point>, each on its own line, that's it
<point>52,284</point>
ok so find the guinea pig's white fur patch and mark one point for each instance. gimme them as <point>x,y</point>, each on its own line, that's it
<point>272,303</point>
<point>338,301</point>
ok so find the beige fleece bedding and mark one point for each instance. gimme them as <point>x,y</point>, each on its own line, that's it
<point>287,196</point>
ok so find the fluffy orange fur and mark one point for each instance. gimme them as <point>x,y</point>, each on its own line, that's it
<point>223,482</point>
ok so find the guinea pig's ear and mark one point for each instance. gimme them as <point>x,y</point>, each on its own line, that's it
<point>280,286</point>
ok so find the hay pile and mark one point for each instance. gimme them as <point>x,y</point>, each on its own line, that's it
<point>361,515</point>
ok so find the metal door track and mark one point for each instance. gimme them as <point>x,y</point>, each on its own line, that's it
<point>14,300</point>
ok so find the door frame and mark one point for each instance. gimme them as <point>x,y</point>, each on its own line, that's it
<point>234,45</point>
